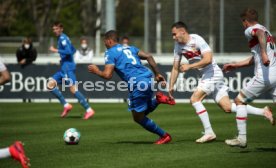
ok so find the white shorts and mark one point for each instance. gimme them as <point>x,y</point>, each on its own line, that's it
<point>2,66</point>
<point>257,86</point>
<point>213,84</point>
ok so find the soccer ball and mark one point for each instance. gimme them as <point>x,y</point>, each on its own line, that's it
<point>71,136</point>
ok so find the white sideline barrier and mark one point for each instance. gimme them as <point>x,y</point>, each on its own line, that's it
<point>165,59</point>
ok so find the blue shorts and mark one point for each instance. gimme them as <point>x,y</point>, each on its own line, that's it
<point>69,77</point>
<point>140,98</point>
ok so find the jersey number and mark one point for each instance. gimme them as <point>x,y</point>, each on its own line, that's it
<point>130,56</point>
<point>270,38</point>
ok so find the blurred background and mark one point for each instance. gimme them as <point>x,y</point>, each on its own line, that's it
<point>146,22</point>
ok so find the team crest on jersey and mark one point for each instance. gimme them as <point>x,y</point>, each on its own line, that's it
<point>106,58</point>
<point>63,42</point>
<point>119,49</point>
<point>193,46</point>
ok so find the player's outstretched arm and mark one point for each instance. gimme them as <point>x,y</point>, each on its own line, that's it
<point>229,67</point>
<point>106,73</point>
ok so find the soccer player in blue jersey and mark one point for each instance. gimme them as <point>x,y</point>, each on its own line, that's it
<point>125,61</point>
<point>67,72</point>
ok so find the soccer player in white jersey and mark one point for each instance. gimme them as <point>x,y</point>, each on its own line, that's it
<point>199,55</point>
<point>16,150</point>
<point>263,56</point>
<point>4,73</point>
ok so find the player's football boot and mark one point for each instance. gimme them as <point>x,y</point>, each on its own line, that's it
<point>236,142</point>
<point>164,139</point>
<point>269,115</point>
<point>18,153</point>
<point>206,138</point>
<point>66,110</point>
<point>89,114</point>
<point>163,99</point>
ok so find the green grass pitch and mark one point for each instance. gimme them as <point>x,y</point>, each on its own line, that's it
<point>112,140</point>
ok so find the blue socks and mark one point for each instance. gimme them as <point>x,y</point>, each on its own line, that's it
<point>82,100</point>
<point>152,106</point>
<point>149,125</point>
<point>59,95</point>
<point>78,95</point>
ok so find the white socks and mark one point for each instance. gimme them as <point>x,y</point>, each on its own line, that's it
<point>241,118</point>
<point>88,110</point>
<point>65,105</point>
<point>249,109</point>
<point>204,117</point>
<point>5,153</point>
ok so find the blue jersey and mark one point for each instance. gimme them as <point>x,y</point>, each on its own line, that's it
<point>127,62</point>
<point>66,51</point>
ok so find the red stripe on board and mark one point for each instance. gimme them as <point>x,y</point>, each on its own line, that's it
<point>203,111</point>
<point>241,118</point>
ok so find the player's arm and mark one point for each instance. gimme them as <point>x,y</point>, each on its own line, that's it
<point>146,56</point>
<point>106,73</point>
<point>247,62</point>
<point>206,60</point>
<point>174,75</point>
<point>260,34</point>
<point>66,50</point>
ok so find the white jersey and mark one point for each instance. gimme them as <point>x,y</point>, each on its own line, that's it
<point>193,51</point>
<point>261,70</point>
<point>2,66</point>
<point>85,57</point>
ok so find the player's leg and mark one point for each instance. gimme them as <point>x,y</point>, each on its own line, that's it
<point>53,88</point>
<point>223,100</point>
<point>221,97</point>
<point>160,98</point>
<point>196,101</point>
<point>16,151</point>
<point>5,153</point>
<point>151,126</point>
<point>265,112</point>
<point>254,88</point>
<point>269,113</point>
<point>74,90</point>
<point>241,118</point>
<point>163,99</point>
<point>139,102</point>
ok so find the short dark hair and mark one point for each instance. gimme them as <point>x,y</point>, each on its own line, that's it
<point>58,24</point>
<point>84,38</point>
<point>27,40</point>
<point>251,15</point>
<point>112,34</point>
<point>180,24</point>
<point>125,37</point>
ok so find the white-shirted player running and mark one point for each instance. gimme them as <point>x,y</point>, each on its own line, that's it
<point>199,55</point>
<point>263,56</point>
